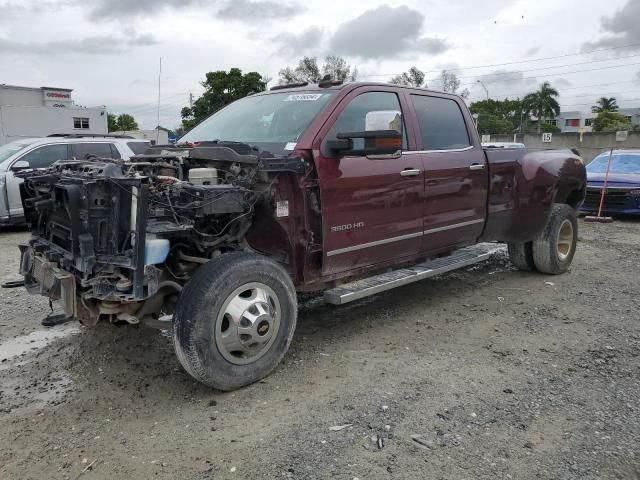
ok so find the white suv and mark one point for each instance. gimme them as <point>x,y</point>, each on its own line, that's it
<point>42,152</point>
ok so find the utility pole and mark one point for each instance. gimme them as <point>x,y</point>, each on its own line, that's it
<point>190,100</point>
<point>158,119</point>
<point>485,88</point>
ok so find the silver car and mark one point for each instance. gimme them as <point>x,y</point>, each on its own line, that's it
<point>31,153</point>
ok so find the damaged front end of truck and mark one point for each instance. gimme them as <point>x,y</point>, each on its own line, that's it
<point>118,240</point>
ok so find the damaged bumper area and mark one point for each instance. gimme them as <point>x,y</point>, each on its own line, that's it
<point>119,239</point>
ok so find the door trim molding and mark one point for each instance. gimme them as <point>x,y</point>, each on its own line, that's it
<point>373,244</point>
<point>455,225</point>
<point>384,241</point>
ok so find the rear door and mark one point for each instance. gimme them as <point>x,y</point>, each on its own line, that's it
<point>455,172</point>
<point>371,207</point>
<point>39,157</point>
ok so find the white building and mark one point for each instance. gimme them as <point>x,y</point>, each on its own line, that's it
<point>38,112</point>
<point>159,137</point>
<point>576,121</point>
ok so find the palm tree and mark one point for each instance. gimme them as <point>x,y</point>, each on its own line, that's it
<point>542,103</point>
<point>605,104</point>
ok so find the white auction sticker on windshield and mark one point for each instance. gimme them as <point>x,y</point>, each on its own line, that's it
<point>303,97</point>
<point>290,146</point>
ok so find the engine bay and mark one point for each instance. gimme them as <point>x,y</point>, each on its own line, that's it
<point>122,237</point>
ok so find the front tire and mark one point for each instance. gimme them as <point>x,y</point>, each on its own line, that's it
<point>554,248</point>
<point>235,320</point>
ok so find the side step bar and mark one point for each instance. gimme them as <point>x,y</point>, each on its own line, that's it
<point>386,281</point>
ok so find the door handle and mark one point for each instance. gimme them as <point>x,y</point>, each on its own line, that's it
<point>410,172</point>
<point>476,166</point>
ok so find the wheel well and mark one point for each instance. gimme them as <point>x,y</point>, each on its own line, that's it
<point>573,196</point>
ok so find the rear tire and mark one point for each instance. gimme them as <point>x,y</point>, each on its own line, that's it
<point>521,256</point>
<point>235,320</point>
<point>555,247</point>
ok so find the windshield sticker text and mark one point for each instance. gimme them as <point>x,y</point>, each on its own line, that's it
<point>303,97</point>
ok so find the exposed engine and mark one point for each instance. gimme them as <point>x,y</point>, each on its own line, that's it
<point>120,238</point>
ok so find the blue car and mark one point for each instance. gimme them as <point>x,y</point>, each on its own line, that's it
<point>623,186</point>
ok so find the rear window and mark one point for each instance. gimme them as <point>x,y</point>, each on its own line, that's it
<point>138,147</point>
<point>442,125</point>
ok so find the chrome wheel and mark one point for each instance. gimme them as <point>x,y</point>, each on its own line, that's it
<point>565,240</point>
<point>248,323</point>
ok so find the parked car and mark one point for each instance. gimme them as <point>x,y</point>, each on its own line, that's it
<point>40,153</point>
<point>623,185</point>
<point>503,145</point>
<point>307,188</point>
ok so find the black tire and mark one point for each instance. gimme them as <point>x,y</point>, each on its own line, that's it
<point>521,256</point>
<point>549,255</point>
<point>202,301</point>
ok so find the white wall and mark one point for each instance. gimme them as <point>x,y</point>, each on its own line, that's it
<point>25,121</point>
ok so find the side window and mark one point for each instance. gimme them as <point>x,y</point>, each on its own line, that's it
<point>114,151</point>
<point>83,151</point>
<point>44,156</point>
<point>352,118</point>
<point>442,125</point>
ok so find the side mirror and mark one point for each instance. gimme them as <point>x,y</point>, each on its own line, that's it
<point>20,165</point>
<point>382,136</point>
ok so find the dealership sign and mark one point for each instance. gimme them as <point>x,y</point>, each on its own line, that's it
<point>57,98</point>
<point>58,95</point>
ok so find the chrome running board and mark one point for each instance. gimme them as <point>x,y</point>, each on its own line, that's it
<point>386,281</point>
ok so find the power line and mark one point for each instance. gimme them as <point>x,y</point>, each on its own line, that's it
<point>552,74</point>
<point>551,67</point>
<point>515,62</point>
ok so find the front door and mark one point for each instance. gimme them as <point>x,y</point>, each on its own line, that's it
<point>456,176</point>
<point>371,207</point>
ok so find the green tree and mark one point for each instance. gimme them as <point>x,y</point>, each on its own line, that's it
<point>221,88</point>
<point>338,69</point>
<point>542,104</point>
<point>112,122</point>
<point>450,84</point>
<point>308,70</point>
<point>493,124</point>
<point>605,104</point>
<point>611,122</point>
<point>126,122</point>
<point>414,77</point>
<point>122,122</point>
<point>496,112</point>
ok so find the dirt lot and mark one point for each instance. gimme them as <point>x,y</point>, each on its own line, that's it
<point>486,373</point>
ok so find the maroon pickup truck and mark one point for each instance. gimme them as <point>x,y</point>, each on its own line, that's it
<point>348,189</point>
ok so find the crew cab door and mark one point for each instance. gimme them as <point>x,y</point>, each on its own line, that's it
<point>456,173</point>
<point>39,157</point>
<point>371,206</point>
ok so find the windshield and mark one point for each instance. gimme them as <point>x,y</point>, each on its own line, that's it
<point>271,122</point>
<point>620,163</point>
<point>10,148</point>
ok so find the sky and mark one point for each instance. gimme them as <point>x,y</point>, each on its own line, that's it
<point>108,51</point>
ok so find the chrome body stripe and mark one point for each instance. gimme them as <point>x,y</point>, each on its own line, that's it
<point>402,237</point>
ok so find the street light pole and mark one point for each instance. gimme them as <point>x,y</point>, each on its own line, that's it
<point>485,88</point>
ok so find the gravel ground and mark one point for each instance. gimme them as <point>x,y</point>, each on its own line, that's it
<point>487,373</point>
